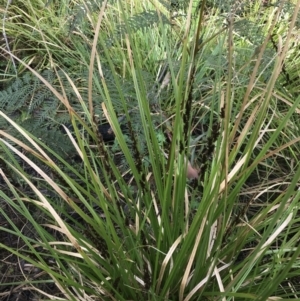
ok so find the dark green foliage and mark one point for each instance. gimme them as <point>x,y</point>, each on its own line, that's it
<point>253,32</point>
<point>175,5</point>
<point>33,106</point>
<point>142,21</point>
<point>30,103</point>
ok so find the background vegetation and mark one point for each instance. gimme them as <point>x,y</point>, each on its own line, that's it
<point>149,150</point>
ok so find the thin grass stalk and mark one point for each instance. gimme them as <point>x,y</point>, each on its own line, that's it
<point>156,157</point>
<point>81,252</point>
<point>93,55</point>
<point>265,239</point>
<point>255,70</point>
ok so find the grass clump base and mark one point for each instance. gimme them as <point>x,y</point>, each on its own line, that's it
<point>196,197</point>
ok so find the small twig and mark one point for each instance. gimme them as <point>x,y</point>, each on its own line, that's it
<point>4,34</point>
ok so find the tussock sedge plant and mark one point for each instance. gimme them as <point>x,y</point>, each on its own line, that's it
<point>196,197</point>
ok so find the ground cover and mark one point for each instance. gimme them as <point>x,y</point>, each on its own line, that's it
<point>196,197</point>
